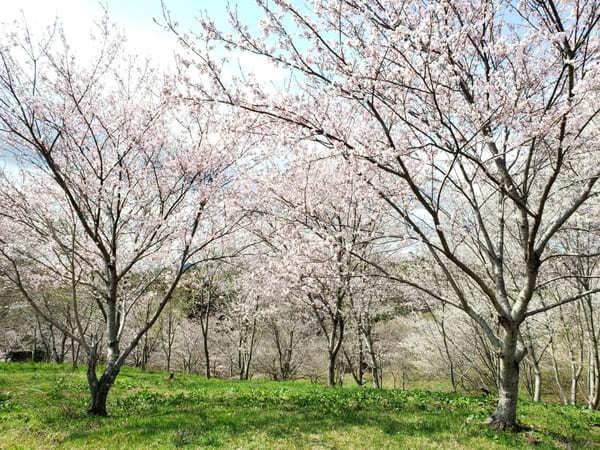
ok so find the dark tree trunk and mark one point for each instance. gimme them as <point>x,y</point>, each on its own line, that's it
<point>374,363</point>
<point>331,371</point>
<point>75,353</point>
<point>34,349</point>
<point>63,349</point>
<point>361,362</point>
<point>204,323</point>
<point>99,388</point>
<point>284,352</point>
<point>207,358</point>
<point>335,343</point>
<point>99,394</point>
<point>357,372</point>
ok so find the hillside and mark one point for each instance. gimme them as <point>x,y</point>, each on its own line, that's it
<point>43,406</point>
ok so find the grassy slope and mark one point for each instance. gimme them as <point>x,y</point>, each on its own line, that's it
<point>43,406</point>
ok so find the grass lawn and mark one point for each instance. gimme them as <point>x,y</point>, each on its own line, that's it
<point>43,406</point>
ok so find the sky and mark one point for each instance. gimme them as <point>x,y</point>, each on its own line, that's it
<point>135,16</point>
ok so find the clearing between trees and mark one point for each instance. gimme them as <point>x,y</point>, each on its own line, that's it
<point>43,406</point>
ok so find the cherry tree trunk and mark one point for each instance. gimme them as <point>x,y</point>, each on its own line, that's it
<point>333,352</point>
<point>99,394</point>
<point>374,365</point>
<point>561,390</point>
<point>573,390</point>
<point>575,374</point>
<point>334,345</point>
<point>99,387</point>
<point>331,371</point>
<point>537,389</point>
<point>204,327</point>
<point>74,354</point>
<point>505,416</point>
<point>207,358</point>
<point>594,400</point>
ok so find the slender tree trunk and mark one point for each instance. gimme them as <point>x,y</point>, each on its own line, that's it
<point>63,349</point>
<point>561,391</point>
<point>335,343</point>
<point>34,349</point>
<point>74,354</point>
<point>537,389</point>
<point>145,352</point>
<point>575,374</point>
<point>287,365</point>
<point>170,337</point>
<point>505,416</point>
<point>334,337</point>
<point>374,365</point>
<point>284,351</point>
<point>403,378</point>
<point>331,370</point>
<point>534,362</point>
<point>448,355</point>
<point>590,376</point>
<point>361,362</point>
<point>250,352</point>
<point>356,371</point>
<point>207,358</point>
<point>594,398</point>
<point>204,323</point>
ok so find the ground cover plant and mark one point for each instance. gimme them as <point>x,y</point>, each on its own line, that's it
<point>42,406</point>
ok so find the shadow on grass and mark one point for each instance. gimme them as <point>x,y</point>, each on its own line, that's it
<point>218,425</point>
<point>191,411</point>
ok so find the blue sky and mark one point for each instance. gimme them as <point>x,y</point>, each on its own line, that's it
<point>182,10</point>
<point>139,12</point>
<point>135,16</point>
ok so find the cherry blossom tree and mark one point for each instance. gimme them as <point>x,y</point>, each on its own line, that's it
<point>318,224</point>
<point>239,326</point>
<point>169,326</point>
<point>119,188</point>
<point>567,348</point>
<point>189,346</point>
<point>582,238</point>
<point>371,303</point>
<point>472,121</point>
<point>206,292</point>
<point>287,328</point>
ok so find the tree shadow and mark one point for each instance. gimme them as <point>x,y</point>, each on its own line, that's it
<point>193,423</point>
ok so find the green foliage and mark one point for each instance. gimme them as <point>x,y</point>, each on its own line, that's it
<point>43,406</point>
<point>212,281</point>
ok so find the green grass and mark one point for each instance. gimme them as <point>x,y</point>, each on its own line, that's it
<point>43,406</point>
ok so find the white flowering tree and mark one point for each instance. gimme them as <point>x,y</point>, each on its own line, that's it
<point>472,121</point>
<point>117,187</point>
